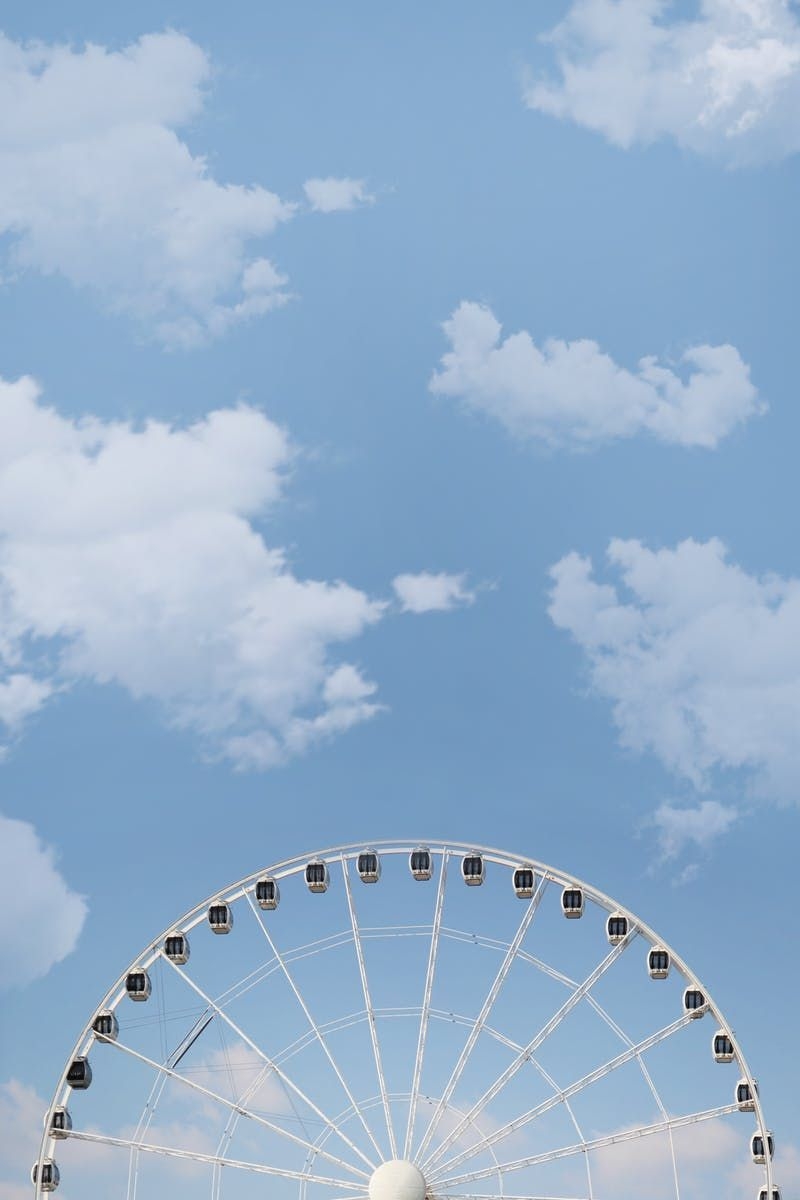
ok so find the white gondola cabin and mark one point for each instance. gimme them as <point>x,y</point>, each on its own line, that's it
<point>572,902</point>
<point>617,927</point>
<point>722,1047</point>
<point>220,917</point>
<point>745,1099</point>
<point>60,1122</point>
<point>368,865</point>
<point>473,869</point>
<point>694,1002</point>
<point>524,882</point>
<point>137,985</point>
<point>420,863</point>
<point>658,962</point>
<point>764,1193</point>
<point>176,948</point>
<point>268,894</point>
<point>106,1026</point>
<point>757,1149</point>
<point>317,878</point>
<point>79,1073</point>
<point>50,1176</point>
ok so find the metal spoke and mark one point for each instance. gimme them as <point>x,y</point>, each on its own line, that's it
<point>611,1139</point>
<point>557,1098</point>
<point>284,1078</point>
<point>373,1030</point>
<point>488,1003</point>
<point>424,1020</point>
<point>314,1026</point>
<point>533,1045</point>
<point>235,1106</point>
<point>105,1139</point>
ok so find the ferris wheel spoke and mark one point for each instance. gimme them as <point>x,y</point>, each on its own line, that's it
<point>278,1071</point>
<point>533,1045</point>
<point>483,1016</point>
<point>84,1135</point>
<point>566,1093</point>
<point>373,1029</point>
<point>424,1020</point>
<point>318,1034</point>
<point>236,1107</point>
<point>611,1139</point>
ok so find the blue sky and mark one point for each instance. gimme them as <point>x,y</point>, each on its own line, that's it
<point>180,705</point>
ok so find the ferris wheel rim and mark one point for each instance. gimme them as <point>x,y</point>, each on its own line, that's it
<point>344,853</point>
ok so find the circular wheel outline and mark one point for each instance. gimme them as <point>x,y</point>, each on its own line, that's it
<point>347,853</point>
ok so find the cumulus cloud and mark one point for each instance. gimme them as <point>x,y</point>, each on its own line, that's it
<point>700,660</point>
<point>574,394</point>
<point>96,185</point>
<point>48,916</point>
<point>336,195</point>
<point>723,83</point>
<point>430,591</point>
<point>128,555</point>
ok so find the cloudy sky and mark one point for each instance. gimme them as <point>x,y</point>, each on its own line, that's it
<point>397,416</point>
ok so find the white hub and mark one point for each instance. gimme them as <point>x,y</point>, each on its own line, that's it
<point>397,1179</point>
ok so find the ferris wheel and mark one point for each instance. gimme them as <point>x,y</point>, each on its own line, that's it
<point>407,1022</point>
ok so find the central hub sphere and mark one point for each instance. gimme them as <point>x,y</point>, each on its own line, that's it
<point>397,1179</point>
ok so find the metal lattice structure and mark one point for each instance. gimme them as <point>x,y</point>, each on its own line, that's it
<point>422,1037</point>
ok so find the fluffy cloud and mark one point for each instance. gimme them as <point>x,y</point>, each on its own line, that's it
<point>682,828</point>
<point>48,916</point>
<point>431,592</point>
<point>725,83</point>
<point>700,660</point>
<point>573,394</point>
<point>127,555</point>
<point>336,195</point>
<point>96,185</point>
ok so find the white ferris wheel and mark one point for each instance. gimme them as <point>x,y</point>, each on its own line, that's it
<point>440,1034</point>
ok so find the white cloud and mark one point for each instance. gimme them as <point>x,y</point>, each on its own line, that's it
<point>96,185</point>
<point>47,915</point>
<point>691,827</point>
<point>700,660</point>
<point>129,556</point>
<point>724,83</point>
<point>22,1110</point>
<point>703,1151</point>
<point>573,394</point>
<point>336,195</point>
<point>431,592</point>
